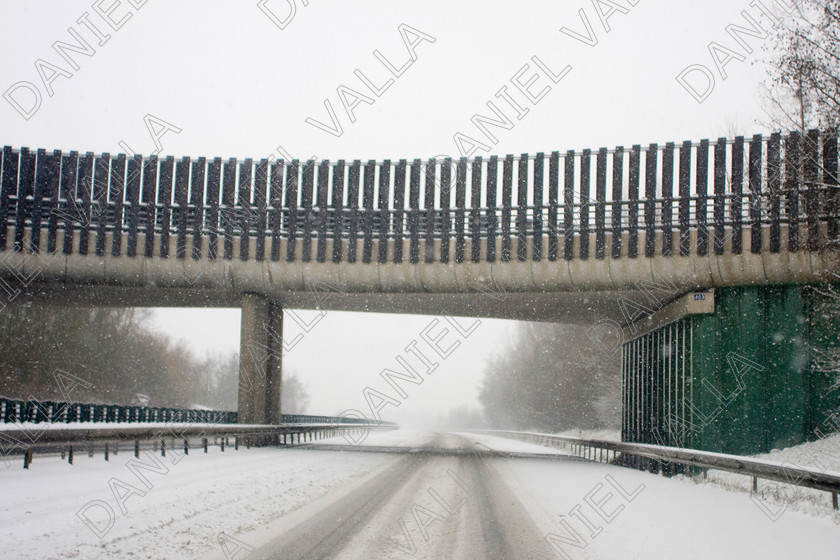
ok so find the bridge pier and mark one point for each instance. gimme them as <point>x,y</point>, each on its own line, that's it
<point>260,361</point>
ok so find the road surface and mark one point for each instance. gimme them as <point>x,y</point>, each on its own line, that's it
<point>398,494</point>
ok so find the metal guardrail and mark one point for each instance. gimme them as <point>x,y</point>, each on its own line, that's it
<point>36,411</point>
<point>67,441</point>
<point>54,412</point>
<point>658,458</point>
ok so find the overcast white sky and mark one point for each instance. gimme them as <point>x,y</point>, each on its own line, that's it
<point>242,78</point>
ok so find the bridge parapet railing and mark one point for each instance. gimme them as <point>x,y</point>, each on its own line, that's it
<point>665,460</point>
<point>547,201</point>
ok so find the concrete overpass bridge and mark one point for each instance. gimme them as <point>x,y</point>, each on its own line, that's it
<point>642,237</point>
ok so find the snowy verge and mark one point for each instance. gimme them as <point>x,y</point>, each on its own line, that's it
<point>774,499</point>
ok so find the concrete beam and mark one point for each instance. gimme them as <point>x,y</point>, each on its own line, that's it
<point>260,361</point>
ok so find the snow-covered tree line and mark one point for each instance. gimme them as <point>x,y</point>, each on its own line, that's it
<point>555,377</point>
<point>119,355</point>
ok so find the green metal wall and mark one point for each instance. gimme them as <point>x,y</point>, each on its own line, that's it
<point>738,381</point>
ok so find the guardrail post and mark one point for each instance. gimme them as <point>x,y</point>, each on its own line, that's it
<point>204,443</point>
<point>70,455</point>
<point>106,450</point>
<point>755,484</point>
<point>162,447</point>
<point>834,502</point>
<point>236,443</point>
<point>186,447</point>
<point>137,448</point>
<point>27,457</point>
<point>90,450</point>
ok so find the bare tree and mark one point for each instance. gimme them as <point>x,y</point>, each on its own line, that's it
<point>802,89</point>
<point>802,92</point>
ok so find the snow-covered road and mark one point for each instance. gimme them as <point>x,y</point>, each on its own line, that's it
<point>349,503</point>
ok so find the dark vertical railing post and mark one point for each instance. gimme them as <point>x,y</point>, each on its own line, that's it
<point>243,208</point>
<point>40,188</point>
<point>307,184</point>
<point>69,180</point>
<point>811,175</point>
<point>475,211</point>
<point>228,206</point>
<point>338,209</point>
<point>507,201</point>
<point>48,176</point>
<point>601,203</point>
<point>321,200</point>
<point>132,197</point>
<point>214,180</point>
<point>585,174</point>
<point>414,212</point>
<point>399,209</point>
<point>701,188</point>
<point>460,208</point>
<point>116,194</point>
<point>685,198</point>
<point>539,170</point>
<point>291,209</point>
<point>553,196</point>
<point>522,209</point>
<point>167,170</point>
<point>353,177</point>
<point>197,198</point>
<point>569,205</point>
<point>720,194</point>
<point>54,193</point>
<point>651,157</point>
<point>275,198</point>
<point>445,220</point>
<point>774,187</point>
<point>182,185</point>
<point>384,204</point>
<point>8,188</point>
<point>831,178</point>
<point>428,208</point>
<point>755,193</point>
<point>793,180</point>
<point>668,200</point>
<point>367,204</point>
<point>490,197</point>
<point>737,194</point>
<point>25,190</point>
<point>149,196</point>
<point>633,202</point>
<point>101,176</point>
<point>261,203</point>
<point>617,210</point>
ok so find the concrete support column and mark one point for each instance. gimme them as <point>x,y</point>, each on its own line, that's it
<point>260,361</point>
